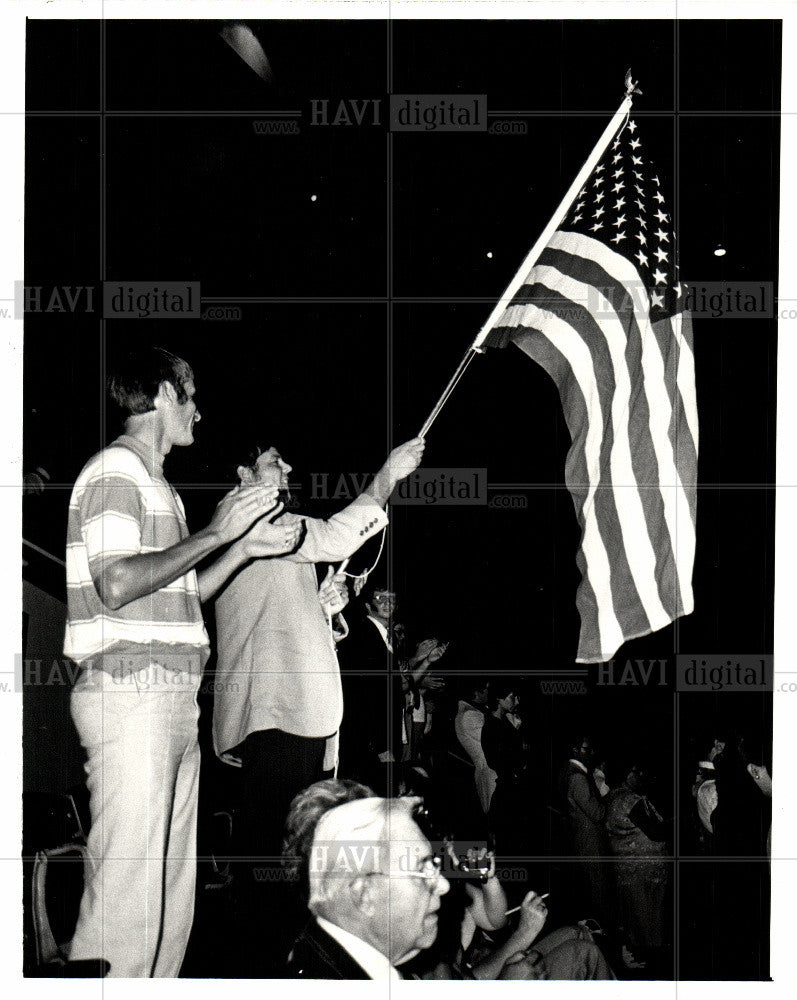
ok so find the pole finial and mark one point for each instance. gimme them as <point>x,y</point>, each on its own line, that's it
<point>631,85</point>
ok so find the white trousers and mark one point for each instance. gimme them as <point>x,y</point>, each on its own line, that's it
<point>140,735</point>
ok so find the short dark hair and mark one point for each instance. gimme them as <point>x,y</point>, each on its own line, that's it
<point>250,455</point>
<point>304,816</point>
<point>136,378</point>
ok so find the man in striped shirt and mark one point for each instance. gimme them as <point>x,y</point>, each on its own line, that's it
<point>135,627</point>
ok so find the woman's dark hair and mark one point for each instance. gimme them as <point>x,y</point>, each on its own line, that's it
<point>136,378</point>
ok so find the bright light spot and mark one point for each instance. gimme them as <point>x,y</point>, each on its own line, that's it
<point>720,251</point>
<point>313,197</point>
<point>490,254</point>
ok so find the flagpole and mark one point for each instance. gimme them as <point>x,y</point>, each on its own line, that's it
<point>533,255</point>
<point>470,354</point>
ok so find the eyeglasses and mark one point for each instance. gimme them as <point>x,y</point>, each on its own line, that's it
<point>430,871</point>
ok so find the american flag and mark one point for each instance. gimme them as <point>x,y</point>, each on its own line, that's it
<point>603,312</point>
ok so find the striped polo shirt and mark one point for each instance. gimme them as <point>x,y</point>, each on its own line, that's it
<point>122,505</point>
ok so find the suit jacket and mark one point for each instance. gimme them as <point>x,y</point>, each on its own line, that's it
<point>364,649</point>
<point>317,955</point>
<point>371,675</point>
<point>277,666</point>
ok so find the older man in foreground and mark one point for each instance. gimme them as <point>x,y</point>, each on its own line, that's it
<point>374,885</point>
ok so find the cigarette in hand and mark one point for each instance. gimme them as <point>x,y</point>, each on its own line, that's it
<point>515,909</point>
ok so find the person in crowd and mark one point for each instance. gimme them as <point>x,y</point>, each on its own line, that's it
<point>569,953</point>
<point>761,776</point>
<point>504,753</point>
<point>418,690</point>
<point>382,688</point>
<point>742,817</point>
<point>278,698</point>
<point>474,940</point>
<point>586,813</point>
<point>468,726</point>
<point>704,792</point>
<point>136,630</point>
<point>373,884</point>
<point>638,840</point>
<point>599,777</point>
<point>717,749</point>
<point>741,822</point>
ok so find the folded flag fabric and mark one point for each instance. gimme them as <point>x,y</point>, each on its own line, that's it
<point>603,312</point>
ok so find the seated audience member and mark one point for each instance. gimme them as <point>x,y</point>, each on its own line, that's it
<point>474,913</point>
<point>373,884</point>
<point>568,953</point>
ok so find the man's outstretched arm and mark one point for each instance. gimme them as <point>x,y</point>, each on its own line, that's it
<point>342,534</point>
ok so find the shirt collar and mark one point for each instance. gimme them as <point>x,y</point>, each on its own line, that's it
<point>382,631</point>
<point>365,955</point>
<point>579,765</point>
<point>152,459</point>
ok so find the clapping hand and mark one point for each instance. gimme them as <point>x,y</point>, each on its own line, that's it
<point>438,651</point>
<point>266,538</point>
<point>240,509</point>
<point>423,650</point>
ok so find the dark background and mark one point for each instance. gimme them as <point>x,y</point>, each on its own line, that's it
<point>142,164</point>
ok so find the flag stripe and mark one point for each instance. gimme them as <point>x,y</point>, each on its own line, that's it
<point>618,470</point>
<point>620,512</point>
<point>648,592</point>
<point>603,263</point>
<point>562,336</point>
<point>543,351</point>
<point>677,509</point>
<point>679,365</point>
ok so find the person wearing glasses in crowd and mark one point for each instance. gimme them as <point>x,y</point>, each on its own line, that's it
<point>375,737</point>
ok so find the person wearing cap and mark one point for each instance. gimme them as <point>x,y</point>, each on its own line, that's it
<point>373,885</point>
